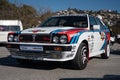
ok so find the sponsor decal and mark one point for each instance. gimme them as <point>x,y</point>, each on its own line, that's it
<point>104,39</point>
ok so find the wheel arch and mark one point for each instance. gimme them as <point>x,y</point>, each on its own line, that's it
<point>79,57</point>
<point>86,42</point>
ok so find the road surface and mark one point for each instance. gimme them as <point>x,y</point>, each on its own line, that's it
<point>97,69</point>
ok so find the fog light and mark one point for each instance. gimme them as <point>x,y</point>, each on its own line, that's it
<point>56,56</point>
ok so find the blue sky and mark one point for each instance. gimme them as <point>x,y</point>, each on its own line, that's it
<point>56,5</point>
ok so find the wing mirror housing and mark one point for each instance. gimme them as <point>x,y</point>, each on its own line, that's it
<point>96,27</point>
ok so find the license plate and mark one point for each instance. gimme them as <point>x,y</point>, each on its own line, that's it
<point>33,58</point>
<point>31,48</point>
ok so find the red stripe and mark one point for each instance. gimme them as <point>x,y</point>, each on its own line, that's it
<point>71,32</point>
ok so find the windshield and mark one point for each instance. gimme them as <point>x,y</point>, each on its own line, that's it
<point>9,28</point>
<point>66,21</point>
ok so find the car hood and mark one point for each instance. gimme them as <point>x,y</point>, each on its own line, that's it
<point>69,31</point>
<point>45,30</point>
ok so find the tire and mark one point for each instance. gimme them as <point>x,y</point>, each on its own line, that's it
<point>107,52</point>
<point>81,59</point>
<point>24,61</point>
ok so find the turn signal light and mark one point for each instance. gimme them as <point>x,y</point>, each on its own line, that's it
<point>57,48</point>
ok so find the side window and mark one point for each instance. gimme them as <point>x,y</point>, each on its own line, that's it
<point>100,23</point>
<point>92,21</point>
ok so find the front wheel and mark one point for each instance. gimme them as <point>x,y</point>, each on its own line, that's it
<point>81,58</point>
<point>107,52</point>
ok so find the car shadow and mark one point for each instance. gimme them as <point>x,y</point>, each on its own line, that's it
<point>105,77</point>
<point>43,65</point>
<point>115,52</point>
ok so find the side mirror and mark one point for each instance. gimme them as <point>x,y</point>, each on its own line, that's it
<point>96,27</point>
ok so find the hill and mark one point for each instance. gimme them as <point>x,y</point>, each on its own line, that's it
<point>31,17</point>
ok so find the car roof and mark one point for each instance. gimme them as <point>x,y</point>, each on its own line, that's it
<point>71,15</point>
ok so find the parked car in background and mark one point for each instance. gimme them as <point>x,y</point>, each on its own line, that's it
<point>73,38</point>
<point>7,26</point>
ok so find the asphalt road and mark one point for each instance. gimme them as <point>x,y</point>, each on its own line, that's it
<point>97,69</point>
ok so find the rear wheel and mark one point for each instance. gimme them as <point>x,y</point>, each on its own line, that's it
<point>81,58</point>
<point>107,52</point>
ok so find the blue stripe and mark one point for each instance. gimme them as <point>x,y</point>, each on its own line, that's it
<point>18,32</point>
<point>56,31</point>
<point>76,37</point>
<point>73,39</point>
<point>104,44</point>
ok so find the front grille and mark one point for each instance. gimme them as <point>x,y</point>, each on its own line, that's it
<point>44,38</point>
<point>26,38</point>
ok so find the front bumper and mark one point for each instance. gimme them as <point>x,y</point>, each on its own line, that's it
<point>41,51</point>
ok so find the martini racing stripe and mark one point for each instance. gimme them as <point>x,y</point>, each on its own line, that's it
<point>76,37</point>
<point>56,31</point>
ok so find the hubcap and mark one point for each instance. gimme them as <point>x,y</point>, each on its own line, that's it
<point>84,54</point>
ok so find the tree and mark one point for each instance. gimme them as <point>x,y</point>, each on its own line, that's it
<point>27,14</point>
<point>44,13</point>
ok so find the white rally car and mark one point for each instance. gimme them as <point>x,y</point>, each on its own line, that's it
<point>73,38</point>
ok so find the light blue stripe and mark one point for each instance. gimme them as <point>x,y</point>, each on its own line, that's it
<point>56,31</point>
<point>73,39</point>
<point>78,34</point>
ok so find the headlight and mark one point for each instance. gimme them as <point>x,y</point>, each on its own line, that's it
<point>60,39</point>
<point>16,38</point>
<point>55,39</point>
<point>63,39</point>
<point>11,38</point>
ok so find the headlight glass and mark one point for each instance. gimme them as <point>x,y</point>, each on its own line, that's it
<point>16,38</point>
<point>55,39</point>
<point>10,38</point>
<point>63,39</point>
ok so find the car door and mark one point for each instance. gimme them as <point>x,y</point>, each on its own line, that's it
<point>96,36</point>
<point>103,34</point>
